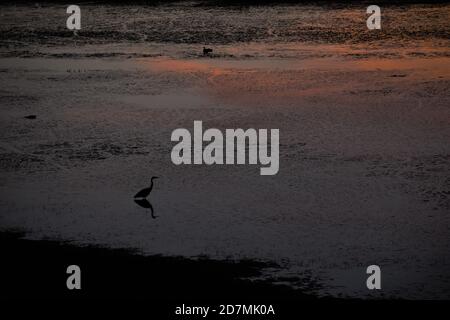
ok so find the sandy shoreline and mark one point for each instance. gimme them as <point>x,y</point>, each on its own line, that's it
<point>120,274</point>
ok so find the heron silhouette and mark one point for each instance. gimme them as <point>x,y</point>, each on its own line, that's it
<point>146,191</point>
<point>141,197</point>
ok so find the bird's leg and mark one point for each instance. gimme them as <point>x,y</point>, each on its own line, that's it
<point>152,212</point>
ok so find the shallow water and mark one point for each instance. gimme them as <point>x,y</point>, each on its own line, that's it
<point>265,31</point>
<point>364,154</point>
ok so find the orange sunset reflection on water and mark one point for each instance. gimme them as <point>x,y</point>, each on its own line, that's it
<point>268,80</point>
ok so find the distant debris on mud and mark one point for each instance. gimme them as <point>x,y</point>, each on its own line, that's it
<point>207,51</point>
<point>31,117</point>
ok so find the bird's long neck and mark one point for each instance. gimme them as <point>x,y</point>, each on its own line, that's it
<point>151,185</point>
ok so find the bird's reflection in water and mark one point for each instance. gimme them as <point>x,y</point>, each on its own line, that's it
<point>144,203</point>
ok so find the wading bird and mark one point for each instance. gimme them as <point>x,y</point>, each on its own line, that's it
<point>146,191</point>
<point>207,51</point>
